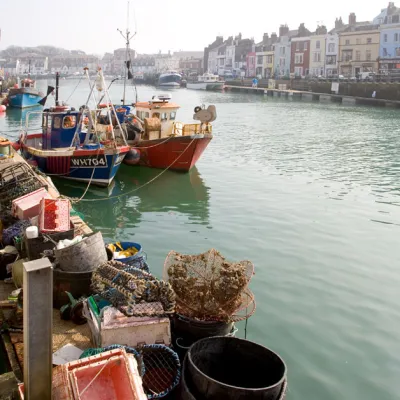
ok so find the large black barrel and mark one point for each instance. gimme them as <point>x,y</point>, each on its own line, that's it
<point>77,283</point>
<point>224,367</point>
<point>186,331</point>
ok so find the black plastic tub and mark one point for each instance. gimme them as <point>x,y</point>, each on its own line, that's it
<point>186,331</point>
<point>224,367</point>
<point>76,283</point>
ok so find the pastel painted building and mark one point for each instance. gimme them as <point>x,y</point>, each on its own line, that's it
<point>317,52</point>
<point>251,64</point>
<point>331,54</point>
<point>282,51</point>
<point>389,51</point>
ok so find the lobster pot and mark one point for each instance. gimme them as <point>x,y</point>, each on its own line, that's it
<point>86,255</point>
<point>227,368</point>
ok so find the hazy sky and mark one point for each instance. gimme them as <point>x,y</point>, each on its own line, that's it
<point>91,25</point>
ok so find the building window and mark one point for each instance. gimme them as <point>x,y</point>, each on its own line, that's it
<point>331,47</point>
<point>297,46</point>
<point>347,55</point>
<point>369,40</point>
<point>282,51</point>
<point>368,55</point>
<point>259,59</point>
<point>395,19</point>
<point>384,52</point>
<point>305,45</point>
<point>318,44</point>
<point>298,71</point>
<point>269,59</point>
<point>358,55</point>
<point>347,42</point>
<point>317,56</point>
<point>385,37</point>
<point>298,58</point>
<point>396,37</point>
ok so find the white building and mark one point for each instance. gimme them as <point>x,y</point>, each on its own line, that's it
<point>331,54</point>
<point>213,61</point>
<point>317,55</point>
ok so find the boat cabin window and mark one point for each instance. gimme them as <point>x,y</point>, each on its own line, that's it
<point>172,116</point>
<point>57,123</point>
<point>69,122</point>
<point>164,117</point>
<point>143,114</point>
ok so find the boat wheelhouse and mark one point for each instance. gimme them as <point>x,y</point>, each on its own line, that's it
<point>166,142</point>
<point>27,95</point>
<point>206,81</point>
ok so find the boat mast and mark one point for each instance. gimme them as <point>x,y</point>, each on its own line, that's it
<point>57,83</point>
<point>127,36</point>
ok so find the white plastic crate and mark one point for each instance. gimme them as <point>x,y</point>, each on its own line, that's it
<point>116,328</point>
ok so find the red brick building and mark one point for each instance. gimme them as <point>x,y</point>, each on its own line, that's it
<point>300,52</point>
<point>300,56</point>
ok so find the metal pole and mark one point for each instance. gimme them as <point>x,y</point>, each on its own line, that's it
<point>38,329</point>
<point>57,83</point>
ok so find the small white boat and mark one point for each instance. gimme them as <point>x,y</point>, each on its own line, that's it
<point>206,82</point>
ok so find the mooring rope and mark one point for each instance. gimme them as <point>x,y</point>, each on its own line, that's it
<point>75,200</point>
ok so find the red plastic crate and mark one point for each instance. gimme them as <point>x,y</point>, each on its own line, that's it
<point>54,215</point>
<point>28,206</point>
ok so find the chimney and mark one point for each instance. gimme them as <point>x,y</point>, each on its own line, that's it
<point>274,38</point>
<point>265,38</point>
<point>321,30</point>
<point>283,30</point>
<point>302,30</point>
<point>352,19</point>
<point>338,23</point>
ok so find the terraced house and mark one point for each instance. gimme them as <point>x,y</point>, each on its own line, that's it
<point>389,51</point>
<point>358,48</point>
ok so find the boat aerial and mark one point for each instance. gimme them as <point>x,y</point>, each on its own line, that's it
<point>75,144</point>
<point>24,95</point>
<point>206,81</point>
<point>170,79</point>
<point>158,140</point>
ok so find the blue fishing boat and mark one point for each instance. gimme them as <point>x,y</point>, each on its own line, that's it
<point>25,96</point>
<point>73,144</point>
<point>170,79</point>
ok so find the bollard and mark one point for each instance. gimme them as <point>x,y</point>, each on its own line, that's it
<point>38,329</point>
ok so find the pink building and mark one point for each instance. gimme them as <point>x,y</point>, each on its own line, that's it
<point>251,64</point>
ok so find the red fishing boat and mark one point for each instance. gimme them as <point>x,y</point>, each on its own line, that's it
<point>163,142</point>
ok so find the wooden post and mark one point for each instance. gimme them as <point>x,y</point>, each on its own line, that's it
<point>38,329</point>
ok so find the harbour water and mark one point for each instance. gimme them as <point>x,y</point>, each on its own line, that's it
<point>310,193</point>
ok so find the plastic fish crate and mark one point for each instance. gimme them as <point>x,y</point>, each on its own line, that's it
<point>54,215</point>
<point>115,327</point>
<point>108,375</point>
<point>28,206</point>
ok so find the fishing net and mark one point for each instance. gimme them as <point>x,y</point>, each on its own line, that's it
<point>133,291</point>
<point>208,287</point>
<point>15,181</point>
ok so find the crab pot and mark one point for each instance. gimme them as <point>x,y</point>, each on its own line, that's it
<point>223,368</point>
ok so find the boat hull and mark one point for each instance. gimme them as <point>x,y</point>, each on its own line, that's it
<point>178,153</point>
<point>205,85</point>
<point>24,97</point>
<point>170,80</point>
<point>93,166</point>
